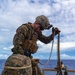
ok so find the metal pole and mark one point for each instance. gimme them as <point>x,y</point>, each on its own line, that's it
<point>58,54</point>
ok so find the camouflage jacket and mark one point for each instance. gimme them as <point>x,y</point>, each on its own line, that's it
<point>25,39</point>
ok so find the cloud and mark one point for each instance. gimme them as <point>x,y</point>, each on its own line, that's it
<point>39,57</point>
<point>2,56</point>
<point>65,56</point>
<point>67,45</point>
<point>62,56</point>
<point>18,12</point>
<point>8,48</point>
<point>1,38</point>
<point>47,47</point>
<point>5,30</point>
<point>61,14</point>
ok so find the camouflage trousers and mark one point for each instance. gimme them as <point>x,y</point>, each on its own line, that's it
<point>17,64</point>
<point>35,68</point>
<point>36,71</point>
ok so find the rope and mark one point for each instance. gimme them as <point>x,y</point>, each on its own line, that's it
<point>50,52</point>
<point>8,67</point>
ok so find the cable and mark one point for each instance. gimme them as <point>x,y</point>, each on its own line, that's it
<point>50,52</point>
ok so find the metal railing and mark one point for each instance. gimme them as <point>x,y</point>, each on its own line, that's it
<point>50,69</point>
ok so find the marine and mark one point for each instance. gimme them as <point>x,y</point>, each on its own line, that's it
<point>25,44</point>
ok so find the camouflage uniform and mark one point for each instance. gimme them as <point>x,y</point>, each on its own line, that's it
<point>25,39</point>
<point>17,64</point>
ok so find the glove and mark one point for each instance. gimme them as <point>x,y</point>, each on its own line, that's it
<point>55,30</point>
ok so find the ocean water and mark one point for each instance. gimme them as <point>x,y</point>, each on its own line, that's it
<point>70,64</point>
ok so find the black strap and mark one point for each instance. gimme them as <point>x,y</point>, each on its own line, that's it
<point>27,53</point>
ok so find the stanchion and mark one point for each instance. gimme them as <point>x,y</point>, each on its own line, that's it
<point>58,56</point>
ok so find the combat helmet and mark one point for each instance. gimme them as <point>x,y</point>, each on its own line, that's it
<point>43,21</point>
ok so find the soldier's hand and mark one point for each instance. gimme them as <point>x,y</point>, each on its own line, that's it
<point>55,31</point>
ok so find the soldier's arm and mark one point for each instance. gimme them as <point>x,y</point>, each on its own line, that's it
<point>44,38</point>
<point>18,40</point>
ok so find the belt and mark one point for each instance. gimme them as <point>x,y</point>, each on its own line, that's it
<point>27,53</point>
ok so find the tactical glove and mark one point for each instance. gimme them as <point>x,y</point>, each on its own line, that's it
<point>55,31</point>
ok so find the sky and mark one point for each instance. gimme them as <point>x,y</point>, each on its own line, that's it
<point>61,14</point>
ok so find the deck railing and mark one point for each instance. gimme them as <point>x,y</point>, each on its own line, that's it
<point>48,69</point>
